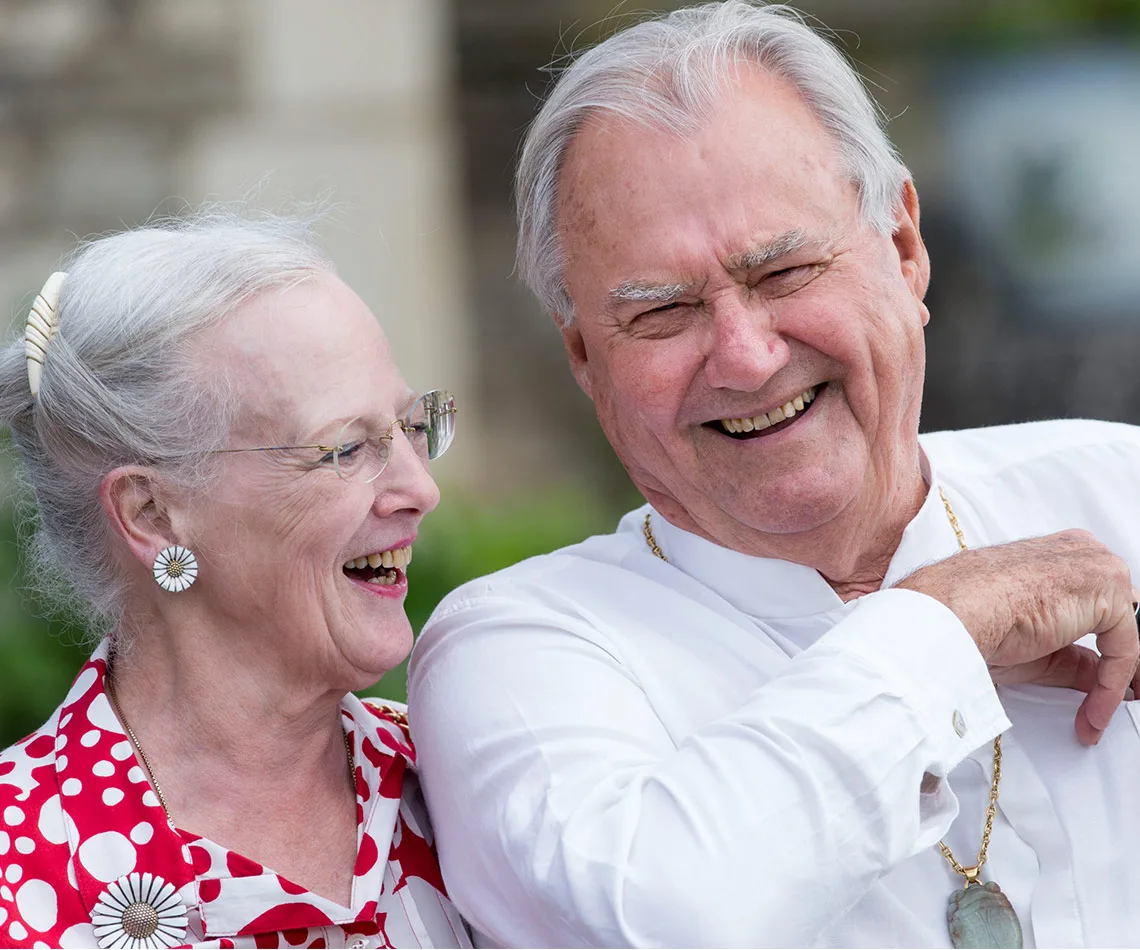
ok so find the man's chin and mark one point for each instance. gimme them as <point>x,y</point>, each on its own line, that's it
<point>767,525</point>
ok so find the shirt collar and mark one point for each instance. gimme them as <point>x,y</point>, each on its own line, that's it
<point>774,589</point>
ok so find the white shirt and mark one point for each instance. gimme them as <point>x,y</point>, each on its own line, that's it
<point>716,751</point>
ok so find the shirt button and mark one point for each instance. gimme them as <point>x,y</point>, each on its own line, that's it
<point>959,723</point>
<point>358,944</point>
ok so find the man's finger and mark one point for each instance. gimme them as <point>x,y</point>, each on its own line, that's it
<point>1119,651</point>
<point>1071,667</point>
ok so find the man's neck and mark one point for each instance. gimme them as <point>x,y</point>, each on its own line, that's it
<point>852,551</point>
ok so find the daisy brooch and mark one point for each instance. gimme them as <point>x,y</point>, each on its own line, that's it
<point>139,912</point>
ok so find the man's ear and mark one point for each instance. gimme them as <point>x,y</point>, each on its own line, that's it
<point>131,497</point>
<point>579,360</point>
<point>913,258</point>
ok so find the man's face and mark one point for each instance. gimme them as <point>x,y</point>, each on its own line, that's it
<point>718,277</point>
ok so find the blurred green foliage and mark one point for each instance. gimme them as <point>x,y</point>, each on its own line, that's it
<point>462,539</point>
<point>1015,24</point>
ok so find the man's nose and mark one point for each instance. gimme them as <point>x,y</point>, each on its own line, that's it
<point>745,349</point>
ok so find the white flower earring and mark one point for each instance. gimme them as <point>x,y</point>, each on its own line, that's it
<point>175,568</point>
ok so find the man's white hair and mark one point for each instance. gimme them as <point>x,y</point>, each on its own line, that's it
<point>668,73</point>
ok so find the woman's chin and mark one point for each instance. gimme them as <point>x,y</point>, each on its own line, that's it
<point>376,647</point>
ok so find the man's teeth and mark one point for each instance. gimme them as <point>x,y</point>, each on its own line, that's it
<point>779,414</point>
<point>394,560</point>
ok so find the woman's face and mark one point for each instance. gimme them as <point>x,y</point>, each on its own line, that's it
<point>273,534</point>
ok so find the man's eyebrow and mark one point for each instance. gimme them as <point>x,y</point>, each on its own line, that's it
<point>641,291</point>
<point>762,254</point>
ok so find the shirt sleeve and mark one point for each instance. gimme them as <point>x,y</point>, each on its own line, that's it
<point>566,815</point>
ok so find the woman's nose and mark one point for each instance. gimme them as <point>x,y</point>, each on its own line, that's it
<point>406,482</point>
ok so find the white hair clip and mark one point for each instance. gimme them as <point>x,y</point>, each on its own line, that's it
<point>43,321</point>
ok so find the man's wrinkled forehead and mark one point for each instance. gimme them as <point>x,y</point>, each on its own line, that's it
<point>759,255</point>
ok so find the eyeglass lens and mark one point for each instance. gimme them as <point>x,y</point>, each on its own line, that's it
<point>429,426</point>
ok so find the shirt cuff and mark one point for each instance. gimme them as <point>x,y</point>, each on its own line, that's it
<point>925,652</point>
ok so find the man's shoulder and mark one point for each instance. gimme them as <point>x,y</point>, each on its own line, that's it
<point>994,449</point>
<point>566,581</point>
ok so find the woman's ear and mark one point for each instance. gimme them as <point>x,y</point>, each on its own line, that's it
<point>132,498</point>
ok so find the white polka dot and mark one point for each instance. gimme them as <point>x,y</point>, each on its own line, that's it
<point>6,892</point>
<point>17,931</point>
<point>142,832</point>
<point>112,796</point>
<point>71,874</point>
<point>149,798</point>
<point>64,721</point>
<point>90,737</point>
<point>40,945</point>
<point>71,786</point>
<point>107,856</point>
<point>37,904</point>
<point>13,815</point>
<point>13,874</point>
<point>60,741</point>
<point>5,842</point>
<point>101,715</point>
<point>121,750</point>
<point>83,682</point>
<point>78,935</point>
<point>103,768</point>
<point>61,763</point>
<point>136,774</point>
<point>3,915</point>
<point>51,821</point>
<point>25,845</point>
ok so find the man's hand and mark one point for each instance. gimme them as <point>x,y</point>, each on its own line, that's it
<point>1025,603</point>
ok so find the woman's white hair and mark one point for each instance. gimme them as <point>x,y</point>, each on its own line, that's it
<point>667,73</point>
<point>121,384</point>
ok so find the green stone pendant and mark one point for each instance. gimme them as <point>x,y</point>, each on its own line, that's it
<point>980,915</point>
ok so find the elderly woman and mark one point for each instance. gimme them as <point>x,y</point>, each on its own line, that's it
<point>229,472</point>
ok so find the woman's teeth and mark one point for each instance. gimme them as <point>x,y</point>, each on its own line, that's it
<point>384,565</point>
<point>779,414</point>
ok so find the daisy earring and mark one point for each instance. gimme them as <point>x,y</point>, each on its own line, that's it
<point>175,568</point>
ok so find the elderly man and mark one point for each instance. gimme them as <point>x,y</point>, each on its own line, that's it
<point>764,711</point>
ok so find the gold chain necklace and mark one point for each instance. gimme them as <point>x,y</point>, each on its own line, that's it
<point>110,687</point>
<point>979,915</point>
<point>971,874</point>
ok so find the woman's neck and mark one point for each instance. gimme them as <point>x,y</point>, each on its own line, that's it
<point>241,757</point>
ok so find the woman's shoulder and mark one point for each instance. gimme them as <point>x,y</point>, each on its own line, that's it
<point>388,715</point>
<point>388,710</point>
<point>37,901</point>
<point>28,771</point>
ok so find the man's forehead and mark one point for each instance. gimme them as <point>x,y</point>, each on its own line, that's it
<point>758,253</point>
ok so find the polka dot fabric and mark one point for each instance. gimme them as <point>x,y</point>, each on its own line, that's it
<point>79,814</point>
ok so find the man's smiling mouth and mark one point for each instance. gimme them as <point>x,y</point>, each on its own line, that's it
<point>767,423</point>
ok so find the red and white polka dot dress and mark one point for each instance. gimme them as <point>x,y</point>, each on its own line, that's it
<point>88,858</point>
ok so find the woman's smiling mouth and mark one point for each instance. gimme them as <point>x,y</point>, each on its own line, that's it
<point>383,568</point>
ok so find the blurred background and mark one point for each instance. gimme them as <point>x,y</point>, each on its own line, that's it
<point>1020,120</point>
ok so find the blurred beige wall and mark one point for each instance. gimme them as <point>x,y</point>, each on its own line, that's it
<point>110,108</point>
